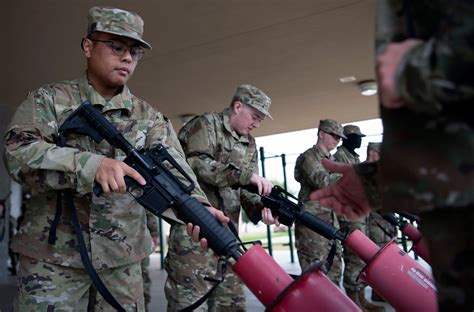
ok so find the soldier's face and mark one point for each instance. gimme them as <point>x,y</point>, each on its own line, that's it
<point>329,140</point>
<point>373,155</point>
<point>104,65</point>
<point>245,118</point>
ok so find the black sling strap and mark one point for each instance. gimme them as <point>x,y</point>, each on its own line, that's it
<point>86,261</point>
<point>223,264</point>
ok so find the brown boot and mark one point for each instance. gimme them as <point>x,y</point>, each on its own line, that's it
<point>359,299</point>
<point>367,305</point>
<point>376,297</point>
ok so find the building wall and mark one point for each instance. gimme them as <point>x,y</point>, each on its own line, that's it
<point>4,190</point>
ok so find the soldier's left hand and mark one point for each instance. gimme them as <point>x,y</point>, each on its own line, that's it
<point>264,186</point>
<point>193,230</point>
<point>268,218</point>
<point>387,64</point>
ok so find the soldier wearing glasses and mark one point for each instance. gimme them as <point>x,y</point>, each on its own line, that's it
<point>311,175</point>
<point>52,275</point>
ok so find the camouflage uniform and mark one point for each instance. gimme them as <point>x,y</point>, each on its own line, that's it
<point>113,225</point>
<point>353,264</point>
<point>380,231</point>
<point>152,226</point>
<point>428,147</point>
<point>221,158</point>
<point>311,175</point>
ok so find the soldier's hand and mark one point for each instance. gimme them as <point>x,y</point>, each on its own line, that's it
<point>264,186</point>
<point>268,218</point>
<point>347,195</point>
<point>387,64</point>
<point>111,173</point>
<point>193,230</point>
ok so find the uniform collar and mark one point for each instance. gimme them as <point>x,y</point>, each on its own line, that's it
<point>226,120</point>
<point>318,151</point>
<point>347,151</point>
<point>121,101</point>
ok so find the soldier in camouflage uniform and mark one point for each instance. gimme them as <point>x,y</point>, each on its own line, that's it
<point>223,154</point>
<point>52,276</point>
<point>353,265</point>
<point>424,65</point>
<point>380,231</point>
<point>311,175</point>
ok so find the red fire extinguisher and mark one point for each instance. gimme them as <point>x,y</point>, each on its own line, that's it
<point>278,292</point>
<point>392,273</point>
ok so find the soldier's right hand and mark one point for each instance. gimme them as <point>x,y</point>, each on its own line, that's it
<point>111,173</point>
<point>347,196</point>
<point>264,186</point>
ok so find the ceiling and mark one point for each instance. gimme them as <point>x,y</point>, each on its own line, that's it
<point>294,50</point>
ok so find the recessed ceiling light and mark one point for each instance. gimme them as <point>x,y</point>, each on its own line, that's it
<point>367,87</point>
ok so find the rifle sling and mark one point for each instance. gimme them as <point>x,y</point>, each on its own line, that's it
<point>201,300</point>
<point>86,261</point>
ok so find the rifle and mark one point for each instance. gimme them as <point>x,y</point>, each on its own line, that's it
<point>288,209</point>
<point>162,190</point>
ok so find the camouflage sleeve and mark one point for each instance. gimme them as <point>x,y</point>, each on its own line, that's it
<point>341,157</point>
<point>152,224</point>
<point>251,203</point>
<point>176,151</point>
<point>201,148</point>
<point>32,158</point>
<point>310,171</point>
<point>438,73</point>
<point>367,172</point>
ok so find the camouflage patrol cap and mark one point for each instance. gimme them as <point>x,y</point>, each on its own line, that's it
<point>116,21</point>
<point>331,126</point>
<point>254,97</point>
<point>374,146</point>
<point>351,129</point>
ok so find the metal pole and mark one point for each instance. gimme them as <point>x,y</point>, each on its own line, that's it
<point>285,186</point>
<point>162,246</point>
<point>269,233</point>
<point>404,240</point>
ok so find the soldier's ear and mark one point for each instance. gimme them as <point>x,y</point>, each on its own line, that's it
<point>320,134</point>
<point>236,107</point>
<point>86,45</point>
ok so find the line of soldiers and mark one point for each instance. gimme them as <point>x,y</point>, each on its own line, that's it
<point>216,150</point>
<point>311,175</point>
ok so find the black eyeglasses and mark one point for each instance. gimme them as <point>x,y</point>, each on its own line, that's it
<point>120,48</point>
<point>334,136</point>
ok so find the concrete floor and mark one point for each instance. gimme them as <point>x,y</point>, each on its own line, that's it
<point>158,276</point>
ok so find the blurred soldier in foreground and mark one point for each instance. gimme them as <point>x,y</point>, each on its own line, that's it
<point>424,65</point>
<point>311,175</point>
<point>223,154</point>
